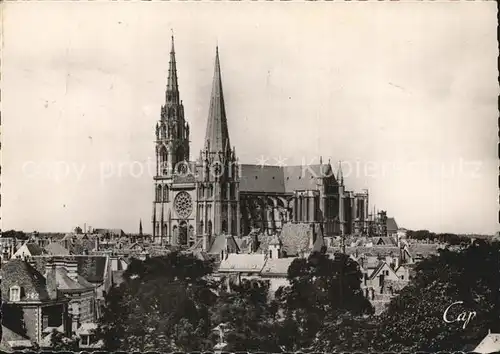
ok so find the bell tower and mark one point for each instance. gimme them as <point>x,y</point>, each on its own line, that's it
<point>171,147</point>
<point>218,206</point>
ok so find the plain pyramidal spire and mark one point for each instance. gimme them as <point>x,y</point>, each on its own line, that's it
<point>172,82</point>
<point>217,135</point>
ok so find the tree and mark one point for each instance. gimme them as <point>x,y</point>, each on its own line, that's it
<point>59,342</point>
<point>414,319</point>
<point>19,235</point>
<point>112,323</point>
<point>163,303</point>
<point>248,317</point>
<point>321,289</point>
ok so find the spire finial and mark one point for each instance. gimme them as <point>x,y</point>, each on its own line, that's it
<point>172,36</point>
<point>340,175</point>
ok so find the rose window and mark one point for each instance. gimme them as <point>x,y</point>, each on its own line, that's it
<point>183,205</point>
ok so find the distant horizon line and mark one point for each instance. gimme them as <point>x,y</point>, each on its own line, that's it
<point>145,233</point>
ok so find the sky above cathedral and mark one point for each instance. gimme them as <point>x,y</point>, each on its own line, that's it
<point>404,94</point>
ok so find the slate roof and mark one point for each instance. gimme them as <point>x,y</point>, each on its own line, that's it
<point>381,251</point>
<point>277,266</point>
<point>254,178</point>
<point>219,244</point>
<point>490,344</point>
<point>64,282</point>
<point>10,338</point>
<point>380,266</point>
<point>91,268</point>
<point>423,249</point>
<point>391,225</point>
<point>243,243</point>
<point>22,274</point>
<point>243,263</point>
<point>282,180</point>
<point>388,241</point>
<point>80,246</point>
<point>56,249</point>
<point>113,232</point>
<point>34,249</point>
<point>370,262</point>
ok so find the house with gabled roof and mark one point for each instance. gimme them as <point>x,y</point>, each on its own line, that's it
<point>31,301</point>
<point>275,271</point>
<point>95,269</point>
<point>238,267</point>
<point>28,250</point>
<point>82,293</point>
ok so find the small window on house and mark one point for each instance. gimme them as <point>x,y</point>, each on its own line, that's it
<point>402,277</point>
<point>15,293</point>
<point>270,254</point>
<point>386,272</point>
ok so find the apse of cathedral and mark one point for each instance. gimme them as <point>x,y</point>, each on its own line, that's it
<point>195,201</point>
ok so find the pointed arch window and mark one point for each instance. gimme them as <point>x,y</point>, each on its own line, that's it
<point>165,193</point>
<point>158,193</point>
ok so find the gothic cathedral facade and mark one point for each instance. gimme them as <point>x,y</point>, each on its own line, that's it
<point>194,201</point>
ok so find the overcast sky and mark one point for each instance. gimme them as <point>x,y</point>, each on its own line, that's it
<point>404,93</point>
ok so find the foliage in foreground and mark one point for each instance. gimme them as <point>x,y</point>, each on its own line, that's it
<point>173,303</point>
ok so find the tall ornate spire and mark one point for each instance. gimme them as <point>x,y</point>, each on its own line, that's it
<point>172,83</point>
<point>340,175</point>
<point>217,135</point>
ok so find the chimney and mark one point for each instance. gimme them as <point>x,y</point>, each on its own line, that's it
<point>50,275</point>
<point>72,269</point>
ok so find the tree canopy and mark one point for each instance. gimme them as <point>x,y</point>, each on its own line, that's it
<point>164,302</point>
<point>321,290</point>
<point>175,303</point>
<point>414,319</point>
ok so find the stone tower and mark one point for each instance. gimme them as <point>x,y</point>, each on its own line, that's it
<point>172,148</point>
<point>218,202</point>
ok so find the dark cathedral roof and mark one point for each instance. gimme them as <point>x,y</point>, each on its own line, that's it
<point>281,180</point>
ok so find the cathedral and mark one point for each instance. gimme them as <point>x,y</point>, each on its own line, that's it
<point>216,194</point>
